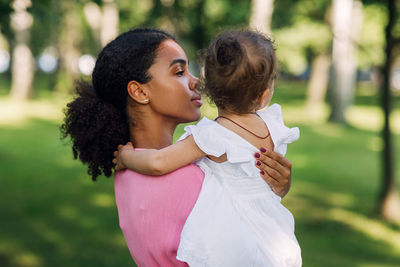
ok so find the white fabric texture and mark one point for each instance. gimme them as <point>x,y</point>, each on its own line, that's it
<point>238,220</point>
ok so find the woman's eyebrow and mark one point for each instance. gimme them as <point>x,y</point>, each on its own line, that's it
<point>179,60</point>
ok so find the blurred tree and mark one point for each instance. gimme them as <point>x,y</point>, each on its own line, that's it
<point>261,15</point>
<point>389,201</point>
<point>102,20</point>
<point>22,59</point>
<point>5,11</point>
<point>69,43</point>
<point>303,39</point>
<point>93,15</point>
<point>110,22</point>
<point>346,24</point>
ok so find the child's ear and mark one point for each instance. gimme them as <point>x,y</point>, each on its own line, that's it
<point>138,93</point>
<point>260,100</point>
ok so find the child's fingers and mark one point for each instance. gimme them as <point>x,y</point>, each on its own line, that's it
<point>115,153</point>
<point>129,144</point>
<point>120,147</point>
<point>114,161</point>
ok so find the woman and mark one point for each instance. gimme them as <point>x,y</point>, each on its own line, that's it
<point>142,89</point>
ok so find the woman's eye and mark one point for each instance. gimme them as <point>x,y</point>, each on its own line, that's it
<point>180,73</point>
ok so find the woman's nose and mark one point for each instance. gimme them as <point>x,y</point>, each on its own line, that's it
<point>193,83</point>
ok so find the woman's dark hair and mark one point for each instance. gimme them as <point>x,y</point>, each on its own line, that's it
<point>239,66</point>
<point>96,120</point>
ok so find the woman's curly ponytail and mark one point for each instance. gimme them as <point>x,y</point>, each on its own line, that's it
<point>95,128</point>
<point>96,120</point>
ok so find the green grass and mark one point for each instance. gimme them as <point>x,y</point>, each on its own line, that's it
<point>53,215</point>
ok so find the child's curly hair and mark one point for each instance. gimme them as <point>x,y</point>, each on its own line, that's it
<point>239,66</point>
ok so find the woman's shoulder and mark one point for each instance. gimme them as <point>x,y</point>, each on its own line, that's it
<point>190,172</point>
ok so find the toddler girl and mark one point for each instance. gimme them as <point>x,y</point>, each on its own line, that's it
<point>237,220</point>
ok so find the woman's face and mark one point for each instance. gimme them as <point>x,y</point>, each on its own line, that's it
<point>172,87</point>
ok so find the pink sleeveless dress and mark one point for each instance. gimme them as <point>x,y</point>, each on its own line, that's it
<point>152,212</point>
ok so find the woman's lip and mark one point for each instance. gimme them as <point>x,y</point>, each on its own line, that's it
<point>197,102</point>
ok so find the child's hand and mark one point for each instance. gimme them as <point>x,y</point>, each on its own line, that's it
<point>118,156</point>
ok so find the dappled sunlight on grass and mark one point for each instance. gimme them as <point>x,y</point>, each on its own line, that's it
<point>329,130</point>
<point>27,259</point>
<point>17,113</point>
<point>301,115</point>
<point>13,255</point>
<point>302,161</point>
<point>371,227</point>
<point>371,118</point>
<point>103,200</point>
<point>366,118</point>
<point>68,212</point>
<point>330,226</point>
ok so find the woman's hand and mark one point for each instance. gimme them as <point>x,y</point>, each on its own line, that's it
<point>275,169</point>
<point>118,159</point>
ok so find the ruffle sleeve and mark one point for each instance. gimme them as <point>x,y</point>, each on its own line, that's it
<point>281,135</point>
<point>206,136</point>
<point>215,140</point>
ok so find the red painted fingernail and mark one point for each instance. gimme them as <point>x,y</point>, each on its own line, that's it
<point>258,163</point>
<point>257,155</point>
<point>262,172</point>
<point>263,149</point>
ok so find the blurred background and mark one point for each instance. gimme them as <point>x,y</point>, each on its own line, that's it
<point>339,81</point>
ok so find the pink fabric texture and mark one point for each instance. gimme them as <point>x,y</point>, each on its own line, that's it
<point>152,212</point>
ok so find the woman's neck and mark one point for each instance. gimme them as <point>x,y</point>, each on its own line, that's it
<point>151,131</point>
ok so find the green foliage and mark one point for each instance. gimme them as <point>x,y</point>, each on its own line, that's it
<point>301,31</point>
<point>294,42</point>
<point>372,39</point>
<point>133,13</point>
<point>5,11</point>
<point>47,16</point>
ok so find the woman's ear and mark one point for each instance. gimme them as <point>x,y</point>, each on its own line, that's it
<point>138,93</point>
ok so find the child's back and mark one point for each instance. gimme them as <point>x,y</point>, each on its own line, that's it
<point>238,220</point>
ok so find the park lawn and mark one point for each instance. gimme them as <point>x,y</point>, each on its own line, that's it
<point>52,214</point>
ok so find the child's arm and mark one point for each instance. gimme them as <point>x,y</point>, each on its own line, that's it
<point>158,162</point>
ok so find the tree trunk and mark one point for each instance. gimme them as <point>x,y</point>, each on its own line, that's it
<point>22,71</point>
<point>93,16</point>
<point>318,84</point>
<point>261,15</point>
<point>347,19</point>
<point>110,22</point>
<point>68,46</point>
<point>388,206</point>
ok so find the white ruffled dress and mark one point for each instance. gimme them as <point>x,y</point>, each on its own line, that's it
<point>238,220</point>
